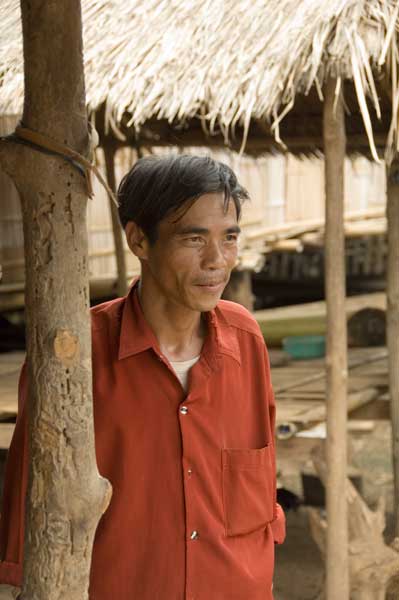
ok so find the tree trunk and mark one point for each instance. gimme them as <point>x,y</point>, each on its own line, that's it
<point>337,581</point>
<point>66,495</point>
<point>393,320</point>
<point>109,155</point>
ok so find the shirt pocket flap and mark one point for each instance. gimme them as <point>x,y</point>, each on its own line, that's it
<point>248,489</point>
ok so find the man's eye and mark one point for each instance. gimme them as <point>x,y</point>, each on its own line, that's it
<point>232,237</point>
<point>194,239</point>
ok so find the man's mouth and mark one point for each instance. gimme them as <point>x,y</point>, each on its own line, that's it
<point>211,286</point>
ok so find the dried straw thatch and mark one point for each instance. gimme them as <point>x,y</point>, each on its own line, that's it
<point>227,64</point>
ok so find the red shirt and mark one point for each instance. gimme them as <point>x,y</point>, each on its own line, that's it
<point>193,514</point>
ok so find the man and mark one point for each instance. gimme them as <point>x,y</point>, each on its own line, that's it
<point>183,406</point>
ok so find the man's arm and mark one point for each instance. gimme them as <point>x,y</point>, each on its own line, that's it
<point>13,503</point>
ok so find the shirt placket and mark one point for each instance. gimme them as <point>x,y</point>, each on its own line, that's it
<point>187,414</point>
<point>186,417</point>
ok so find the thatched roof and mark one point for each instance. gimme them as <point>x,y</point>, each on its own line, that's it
<point>226,65</point>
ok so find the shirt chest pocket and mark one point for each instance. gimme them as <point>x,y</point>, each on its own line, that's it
<point>248,489</point>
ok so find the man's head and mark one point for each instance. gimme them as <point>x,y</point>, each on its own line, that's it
<point>157,186</point>
<point>180,214</point>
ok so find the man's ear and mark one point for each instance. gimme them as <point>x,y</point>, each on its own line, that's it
<point>136,240</point>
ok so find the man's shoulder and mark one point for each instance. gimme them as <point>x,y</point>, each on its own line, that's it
<point>239,317</point>
<point>106,313</point>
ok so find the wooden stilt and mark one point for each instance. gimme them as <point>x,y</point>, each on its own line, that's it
<point>239,289</point>
<point>393,320</point>
<point>109,155</point>
<point>337,571</point>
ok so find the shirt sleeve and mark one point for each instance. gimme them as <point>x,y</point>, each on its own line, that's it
<point>278,524</point>
<point>12,519</point>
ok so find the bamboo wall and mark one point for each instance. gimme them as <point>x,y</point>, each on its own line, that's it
<point>283,189</point>
<point>11,235</point>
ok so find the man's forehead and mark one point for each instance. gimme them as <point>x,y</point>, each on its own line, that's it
<point>209,208</point>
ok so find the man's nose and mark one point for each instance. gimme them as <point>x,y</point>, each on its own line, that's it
<point>214,257</point>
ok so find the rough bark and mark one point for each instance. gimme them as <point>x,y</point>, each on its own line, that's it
<point>393,320</point>
<point>337,581</point>
<point>109,155</point>
<point>373,564</point>
<point>66,495</point>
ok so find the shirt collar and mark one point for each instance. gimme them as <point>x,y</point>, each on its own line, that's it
<point>137,336</point>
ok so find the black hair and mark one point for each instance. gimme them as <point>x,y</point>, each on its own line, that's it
<point>158,186</point>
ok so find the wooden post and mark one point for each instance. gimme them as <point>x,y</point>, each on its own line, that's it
<point>66,496</point>
<point>337,570</point>
<point>109,155</point>
<point>393,320</point>
<point>239,289</point>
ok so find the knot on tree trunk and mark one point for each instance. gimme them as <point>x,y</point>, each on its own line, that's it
<point>66,347</point>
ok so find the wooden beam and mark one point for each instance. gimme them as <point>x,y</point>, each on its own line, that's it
<point>109,156</point>
<point>160,134</point>
<point>393,320</point>
<point>337,570</point>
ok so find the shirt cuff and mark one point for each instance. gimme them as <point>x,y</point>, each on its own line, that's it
<point>278,526</point>
<point>10,573</point>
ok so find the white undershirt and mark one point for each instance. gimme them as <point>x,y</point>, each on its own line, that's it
<point>181,368</point>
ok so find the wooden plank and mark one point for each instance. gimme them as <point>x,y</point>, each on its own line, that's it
<point>6,432</point>
<point>319,375</point>
<point>302,412</point>
<point>10,367</point>
<point>287,230</point>
<point>308,318</point>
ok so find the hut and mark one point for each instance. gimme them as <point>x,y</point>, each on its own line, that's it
<point>305,76</point>
<point>189,102</point>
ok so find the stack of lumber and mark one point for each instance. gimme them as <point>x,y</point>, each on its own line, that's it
<point>295,235</point>
<point>309,318</point>
<point>300,388</point>
<point>10,367</point>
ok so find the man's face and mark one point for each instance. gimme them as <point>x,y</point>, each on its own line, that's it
<point>191,261</point>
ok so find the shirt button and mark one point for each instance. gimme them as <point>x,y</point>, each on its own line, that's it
<point>194,535</point>
<point>183,410</point>
<point>190,471</point>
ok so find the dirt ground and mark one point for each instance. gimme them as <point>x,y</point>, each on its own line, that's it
<point>299,572</point>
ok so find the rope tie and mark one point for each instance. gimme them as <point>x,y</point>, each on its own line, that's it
<point>42,142</point>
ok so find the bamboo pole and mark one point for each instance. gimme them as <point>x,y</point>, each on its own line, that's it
<point>393,320</point>
<point>109,155</point>
<point>337,569</point>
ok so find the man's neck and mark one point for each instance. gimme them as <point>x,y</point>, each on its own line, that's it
<point>180,332</point>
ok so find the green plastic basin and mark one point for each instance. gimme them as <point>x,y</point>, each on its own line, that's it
<point>305,346</point>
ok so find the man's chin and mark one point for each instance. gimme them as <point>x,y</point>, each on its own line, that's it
<point>208,304</point>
